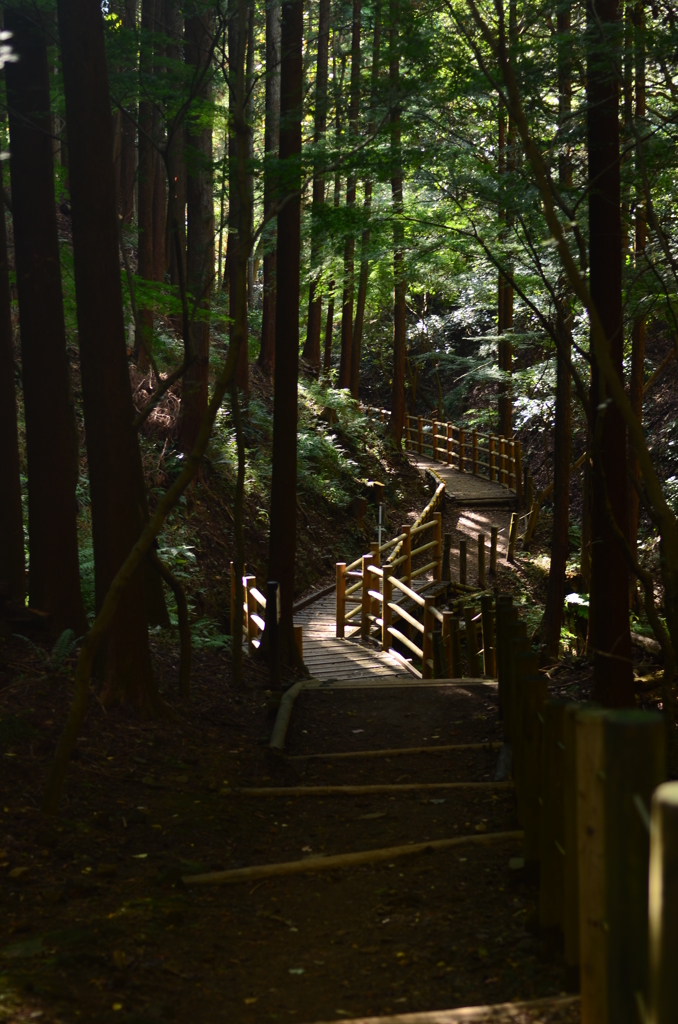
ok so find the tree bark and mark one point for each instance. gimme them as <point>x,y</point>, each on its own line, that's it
<point>609,633</point>
<point>12,564</point>
<point>555,594</point>
<point>271,143</point>
<point>128,148</point>
<point>346,371</point>
<point>282,549</point>
<point>115,472</point>
<point>397,422</point>
<point>312,345</point>
<point>200,241</point>
<point>367,209</point>
<point>237,44</point>
<point>51,436</point>
<point>146,179</point>
<point>176,162</point>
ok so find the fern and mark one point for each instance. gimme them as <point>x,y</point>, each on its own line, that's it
<point>63,648</point>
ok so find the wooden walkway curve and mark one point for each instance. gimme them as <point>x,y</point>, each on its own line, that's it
<point>465,489</point>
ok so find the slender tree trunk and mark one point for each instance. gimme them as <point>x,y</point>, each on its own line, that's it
<point>638,336</point>
<point>200,242</point>
<point>399,283</point>
<point>249,117</point>
<point>282,550</point>
<point>128,148</point>
<point>176,163</point>
<point>609,633</point>
<point>346,371</point>
<point>555,595</point>
<point>51,436</point>
<point>367,208</point>
<point>329,323</point>
<point>315,302</point>
<point>116,477</point>
<point>237,43</point>
<point>146,178</point>
<point>271,143</point>
<point>506,289</point>
<point>12,565</point>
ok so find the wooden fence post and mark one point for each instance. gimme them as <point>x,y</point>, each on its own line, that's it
<point>374,580</point>
<point>447,546</point>
<point>494,533</point>
<point>462,451</point>
<point>386,611</point>
<point>420,434</point>
<point>434,440</point>
<point>341,599</point>
<point>481,560</point>
<point>493,457</point>
<point>408,433</point>
<point>273,633</point>
<point>512,466</point>
<point>635,764</point>
<point>474,450</point>
<point>462,561</point>
<point>299,640</point>
<point>513,538</point>
<point>519,473</point>
<point>472,659</point>
<point>407,551</point>
<point>450,444</point>
<point>438,531</point>
<point>593,935</point>
<point>366,603</point>
<point>489,653</point>
<point>663,910</point>
<point>552,840</point>
<point>249,606</point>
<point>502,460</point>
<point>427,668</point>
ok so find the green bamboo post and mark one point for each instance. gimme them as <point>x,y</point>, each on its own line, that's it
<point>635,764</point>
<point>552,837</point>
<point>462,561</point>
<point>663,910</point>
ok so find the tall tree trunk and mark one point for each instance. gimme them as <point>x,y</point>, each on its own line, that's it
<point>51,436</point>
<point>115,472</point>
<point>345,368</point>
<point>128,148</point>
<point>271,143</point>
<point>240,128</point>
<point>249,118</point>
<point>638,335</point>
<point>367,208</point>
<point>555,595</point>
<point>315,302</point>
<point>200,240</point>
<point>237,44</point>
<point>338,80</point>
<point>176,162</point>
<point>399,284</point>
<point>609,633</point>
<point>146,178</point>
<point>506,289</point>
<point>12,565</point>
<point>282,549</point>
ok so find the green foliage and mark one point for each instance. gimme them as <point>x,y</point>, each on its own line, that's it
<point>63,648</point>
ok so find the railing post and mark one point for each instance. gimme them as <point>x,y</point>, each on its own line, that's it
<point>663,981</point>
<point>502,460</point>
<point>427,668</point>
<point>299,640</point>
<point>249,606</point>
<point>438,531</point>
<point>386,613</point>
<point>374,580</point>
<point>489,652</point>
<point>511,465</point>
<point>420,434</point>
<point>462,451</point>
<point>492,444</point>
<point>513,538</point>
<point>450,444</point>
<point>481,560</point>
<point>434,441</point>
<point>408,432</point>
<point>519,473</point>
<point>272,592</point>
<point>494,533</point>
<point>471,643</point>
<point>341,599</point>
<point>462,561</point>
<point>475,452</point>
<point>407,551</point>
<point>366,603</point>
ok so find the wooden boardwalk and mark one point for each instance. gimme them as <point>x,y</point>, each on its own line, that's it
<point>330,659</point>
<point>467,490</point>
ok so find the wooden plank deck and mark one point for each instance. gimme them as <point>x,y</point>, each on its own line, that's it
<point>468,490</point>
<point>330,659</point>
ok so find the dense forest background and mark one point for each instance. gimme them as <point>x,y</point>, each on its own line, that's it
<point>227,224</point>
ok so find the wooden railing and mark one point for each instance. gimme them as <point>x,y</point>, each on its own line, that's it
<point>492,457</point>
<point>253,623</point>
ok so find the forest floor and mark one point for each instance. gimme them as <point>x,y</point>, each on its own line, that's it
<point>96,924</point>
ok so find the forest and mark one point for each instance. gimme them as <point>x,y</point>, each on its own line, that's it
<point>338,387</point>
